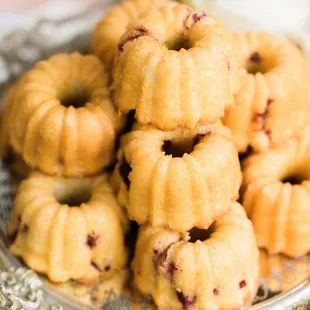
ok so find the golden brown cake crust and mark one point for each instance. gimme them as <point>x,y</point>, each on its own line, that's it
<point>177,179</point>
<point>276,196</point>
<point>62,120</point>
<point>273,102</point>
<point>113,25</point>
<point>220,272</point>
<point>68,228</point>
<point>175,68</point>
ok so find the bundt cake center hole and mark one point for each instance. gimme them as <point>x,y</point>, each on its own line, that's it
<point>76,199</point>
<point>294,179</point>
<point>77,97</point>
<point>256,63</point>
<point>254,69</point>
<point>178,44</point>
<point>73,194</point>
<point>177,149</point>
<point>200,234</point>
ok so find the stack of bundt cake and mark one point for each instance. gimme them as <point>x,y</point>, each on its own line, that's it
<point>178,173</point>
<point>164,80</point>
<point>59,119</point>
<point>270,126</point>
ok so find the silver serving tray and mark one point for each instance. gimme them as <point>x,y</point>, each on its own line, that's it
<point>21,288</point>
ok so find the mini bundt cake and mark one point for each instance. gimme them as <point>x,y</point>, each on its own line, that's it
<point>216,268</point>
<point>68,228</point>
<point>62,120</point>
<point>177,179</point>
<point>97,294</point>
<point>276,196</point>
<point>114,24</point>
<point>280,273</point>
<point>272,104</point>
<point>175,68</point>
